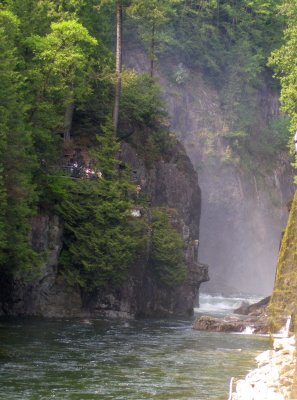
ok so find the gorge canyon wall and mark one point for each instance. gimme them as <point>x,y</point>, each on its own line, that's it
<point>170,183</point>
<point>243,212</point>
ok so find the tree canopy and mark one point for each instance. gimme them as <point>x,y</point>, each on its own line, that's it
<point>57,82</point>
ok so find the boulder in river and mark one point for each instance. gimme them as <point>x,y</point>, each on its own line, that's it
<point>227,324</point>
<point>253,309</point>
<point>256,320</point>
<point>231,323</point>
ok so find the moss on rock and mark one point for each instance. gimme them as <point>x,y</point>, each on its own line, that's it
<point>283,300</point>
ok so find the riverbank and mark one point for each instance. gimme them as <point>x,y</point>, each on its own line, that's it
<point>273,378</point>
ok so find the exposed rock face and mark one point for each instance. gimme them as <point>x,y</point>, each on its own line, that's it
<point>283,299</point>
<point>172,184</point>
<point>243,214</point>
<point>253,309</point>
<point>273,379</point>
<point>48,295</point>
<point>256,320</point>
<point>232,323</point>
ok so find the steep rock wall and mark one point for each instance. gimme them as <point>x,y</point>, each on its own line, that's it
<point>283,302</point>
<point>243,214</point>
<point>171,183</point>
<point>283,299</point>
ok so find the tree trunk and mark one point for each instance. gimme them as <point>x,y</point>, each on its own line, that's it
<point>119,28</point>
<point>152,55</point>
<point>68,121</point>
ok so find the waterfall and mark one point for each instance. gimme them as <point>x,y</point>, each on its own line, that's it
<point>284,332</point>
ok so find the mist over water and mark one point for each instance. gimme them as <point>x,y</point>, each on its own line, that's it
<point>240,234</point>
<point>243,210</point>
<point>219,305</point>
<point>242,216</point>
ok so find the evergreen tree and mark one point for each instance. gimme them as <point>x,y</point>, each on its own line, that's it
<point>101,239</point>
<point>152,16</point>
<point>167,253</point>
<point>284,62</point>
<point>17,197</point>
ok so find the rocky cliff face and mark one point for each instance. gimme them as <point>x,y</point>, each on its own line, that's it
<point>243,213</point>
<point>47,295</point>
<point>283,299</point>
<point>171,183</point>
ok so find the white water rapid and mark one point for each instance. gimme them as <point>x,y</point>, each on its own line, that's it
<point>219,305</point>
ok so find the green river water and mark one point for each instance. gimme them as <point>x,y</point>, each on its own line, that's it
<point>95,359</point>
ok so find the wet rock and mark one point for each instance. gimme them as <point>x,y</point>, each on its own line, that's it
<point>253,309</point>
<point>243,309</point>
<point>227,324</point>
<point>231,323</point>
<point>273,379</point>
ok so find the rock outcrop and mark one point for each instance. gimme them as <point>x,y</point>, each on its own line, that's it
<point>243,212</point>
<point>253,309</point>
<point>47,295</point>
<point>283,299</point>
<point>171,183</point>
<point>273,379</point>
<point>255,320</point>
<point>231,323</point>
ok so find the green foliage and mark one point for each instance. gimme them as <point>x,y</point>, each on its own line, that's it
<point>206,32</point>
<point>143,120</point>
<point>229,42</point>
<point>52,63</point>
<point>181,75</point>
<point>152,17</point>
<point>167,250</point>
<point>284,62</point>
<point>283,300</point>
<point>101,238</point>
<point>61,62</point>
<point>17,194</point>
<point>141,102</point>
<point>56,53</point>
<point>280,133</point>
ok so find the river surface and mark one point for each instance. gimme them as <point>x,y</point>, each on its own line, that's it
<point>100,360</point>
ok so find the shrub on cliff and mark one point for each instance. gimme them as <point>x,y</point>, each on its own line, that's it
<point>167,250</point>
<point>101,238</point>
<point>143,118</point>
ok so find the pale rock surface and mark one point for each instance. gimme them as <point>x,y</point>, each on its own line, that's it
<point>273,378</point>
